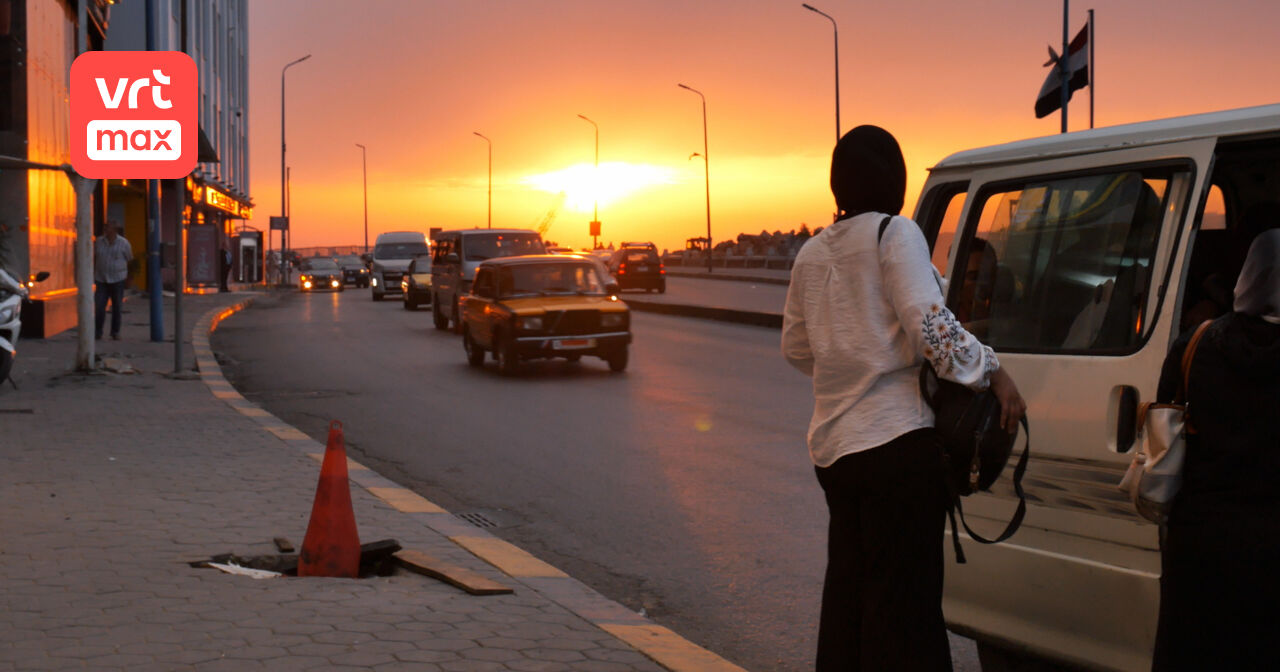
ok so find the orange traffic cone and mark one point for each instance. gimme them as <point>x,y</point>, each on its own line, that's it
<point>332,546</point>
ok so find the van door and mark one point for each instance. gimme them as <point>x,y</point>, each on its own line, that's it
<point>1063,265</point>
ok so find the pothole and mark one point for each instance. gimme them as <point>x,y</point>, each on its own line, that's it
<point>376,560</point>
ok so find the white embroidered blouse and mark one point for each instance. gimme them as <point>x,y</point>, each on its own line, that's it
<point>860,319</point>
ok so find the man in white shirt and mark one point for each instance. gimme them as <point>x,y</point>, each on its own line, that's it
<point>111,256</point>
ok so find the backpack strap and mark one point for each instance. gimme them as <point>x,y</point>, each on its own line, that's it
<point>1188,355</point>
<point>1014,523</point>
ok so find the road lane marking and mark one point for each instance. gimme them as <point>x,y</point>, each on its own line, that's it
<point>285,432</point>
<point>516,562</point>
<point>405,500</point>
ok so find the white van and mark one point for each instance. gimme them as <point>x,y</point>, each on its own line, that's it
<point>392,253</point>
<point>1079,258</point>
<point>454,259</point>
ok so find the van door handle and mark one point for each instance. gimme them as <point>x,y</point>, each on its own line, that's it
<point>1123,416</point>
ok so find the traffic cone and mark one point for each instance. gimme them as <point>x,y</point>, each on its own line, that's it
<point>332,546</point>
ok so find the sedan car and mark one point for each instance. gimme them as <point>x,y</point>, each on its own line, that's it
<point>416,282</point>
<point>319,273</point>
<point>544,306</point>
<point>354,270</point>
<point>637,265</point>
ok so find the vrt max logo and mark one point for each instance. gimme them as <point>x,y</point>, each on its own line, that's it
<point>134,114</point>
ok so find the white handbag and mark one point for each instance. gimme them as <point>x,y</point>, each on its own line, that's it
<point>1155,474</point>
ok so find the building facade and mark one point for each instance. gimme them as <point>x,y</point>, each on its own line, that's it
<point>38,41</point>
<point>205,212</point>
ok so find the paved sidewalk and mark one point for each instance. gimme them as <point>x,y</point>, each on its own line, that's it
<point>110,484</point>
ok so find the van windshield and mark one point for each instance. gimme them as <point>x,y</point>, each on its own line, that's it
<point>400,250</point>
<point>481,246</point>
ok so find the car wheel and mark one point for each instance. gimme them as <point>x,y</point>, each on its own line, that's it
<point>508,358</point>
<point>618,360</point>
<point>662,287</point>
<point>409,304</point>
<point>438,318</point>
<point>377,296</point>
<point>475,353</point>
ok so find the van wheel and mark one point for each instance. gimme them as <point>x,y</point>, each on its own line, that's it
<point>508,358</point>
<point>618,360</point>
<point>376,296</point>
<point>996,658</point>
<point>438,318</point>
<point>475,353</point>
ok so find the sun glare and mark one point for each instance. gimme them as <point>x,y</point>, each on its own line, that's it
<point>583,187</point>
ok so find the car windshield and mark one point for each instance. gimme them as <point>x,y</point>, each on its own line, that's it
<point>324,264</point>
<point>422,264</point>
<point>400,250</point>
<point>481,246</point>
<point>349,259</point>
<point>548,279</point>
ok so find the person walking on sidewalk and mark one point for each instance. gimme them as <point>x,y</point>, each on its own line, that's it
<point>863,313</point>
<point>111,256</point>
<point>224,266</point>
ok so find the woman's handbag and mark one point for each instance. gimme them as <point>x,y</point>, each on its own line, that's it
<point>1155,474</point>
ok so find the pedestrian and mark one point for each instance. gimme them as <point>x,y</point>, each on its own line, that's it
<point>862,315</point>
<point>224,266</point>
<point>1219,590</point>
<point>111,256</point>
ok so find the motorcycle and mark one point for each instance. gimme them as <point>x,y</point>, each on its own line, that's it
<point>12,294</point>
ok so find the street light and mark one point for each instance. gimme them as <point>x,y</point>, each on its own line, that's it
<point>284,241</point>
<point>595,211</point>
<point>490,176</point>
<point>707,163</point>
<point>837,46</point>
<point>364,171</point>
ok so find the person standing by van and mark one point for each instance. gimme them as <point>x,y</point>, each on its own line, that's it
<point>1219,589</point>
<point>862,315</point>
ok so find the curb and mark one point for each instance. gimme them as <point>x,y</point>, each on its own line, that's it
<point>659,643</point>
<point>703,275</point>
<point>770,320</point>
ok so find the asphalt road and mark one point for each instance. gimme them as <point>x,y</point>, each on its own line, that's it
<point>751,296</point>
<point>681,487</point>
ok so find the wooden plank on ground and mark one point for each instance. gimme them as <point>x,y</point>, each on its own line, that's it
<point>459,577</point>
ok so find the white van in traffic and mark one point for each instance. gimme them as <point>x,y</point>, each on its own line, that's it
<point>1079,258</point>
<point>392,253</point>
<point>455,256</point>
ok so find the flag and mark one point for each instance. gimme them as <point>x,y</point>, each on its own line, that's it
<point>1050,98</point>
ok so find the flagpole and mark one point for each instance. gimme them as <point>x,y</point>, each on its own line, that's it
<point>1064,65</point>
<point>1091,63</point>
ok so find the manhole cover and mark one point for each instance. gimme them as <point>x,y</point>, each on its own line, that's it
<point>478,519</point>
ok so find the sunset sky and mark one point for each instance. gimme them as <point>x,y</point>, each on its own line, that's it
<point>412,80</point>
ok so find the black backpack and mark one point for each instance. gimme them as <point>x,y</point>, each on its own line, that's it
<point>975,447</point>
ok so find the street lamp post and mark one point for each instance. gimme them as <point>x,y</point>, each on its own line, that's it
<point>284,239</point>
<point>706,160</point>
<point>364,171</point>
<point>836,32</point>
<point>490,176</point>
<point>595,209</point>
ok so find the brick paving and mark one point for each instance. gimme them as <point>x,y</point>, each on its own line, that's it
<point>110,484</point>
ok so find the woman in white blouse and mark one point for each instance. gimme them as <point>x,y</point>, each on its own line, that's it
<point>862,314</point>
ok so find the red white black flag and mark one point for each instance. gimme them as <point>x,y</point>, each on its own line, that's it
<point>1050,98</point>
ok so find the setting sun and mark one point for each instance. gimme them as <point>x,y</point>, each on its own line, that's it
<point>584,187</point>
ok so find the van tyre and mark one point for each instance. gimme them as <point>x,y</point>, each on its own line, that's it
<point>438,318</point>
<point>376,295</point>
<point>475,353</point>
<point>508,357</point>
<point>618,359</point>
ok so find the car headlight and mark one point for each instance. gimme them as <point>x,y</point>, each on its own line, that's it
<point>364,271</point>
<point>6,314</point>
<point>374,282</point>
<point>529,323</point>
<point>612,319</point>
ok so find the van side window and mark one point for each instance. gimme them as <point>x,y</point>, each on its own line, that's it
<point>1062,265</point>
<point>943,220</point>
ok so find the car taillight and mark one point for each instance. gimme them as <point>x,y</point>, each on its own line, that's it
<point>662,268</point>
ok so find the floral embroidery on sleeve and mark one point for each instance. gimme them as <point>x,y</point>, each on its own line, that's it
<point>951,350</point>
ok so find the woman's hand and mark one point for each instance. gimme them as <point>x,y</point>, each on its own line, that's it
<point>1012,406</point>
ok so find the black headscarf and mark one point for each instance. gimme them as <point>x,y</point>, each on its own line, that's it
<point>868,173</point>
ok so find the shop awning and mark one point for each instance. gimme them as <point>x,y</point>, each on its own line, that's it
<point>207,153</point>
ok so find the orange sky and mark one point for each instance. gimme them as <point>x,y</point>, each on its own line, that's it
<point>412,80</point>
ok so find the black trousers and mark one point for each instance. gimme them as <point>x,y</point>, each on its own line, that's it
<point>114,293</point>
<point>882,598</point>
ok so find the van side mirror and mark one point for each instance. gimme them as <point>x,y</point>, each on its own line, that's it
<point>451,258</point>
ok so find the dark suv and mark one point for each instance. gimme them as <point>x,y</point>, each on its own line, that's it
<point>637,266</point>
